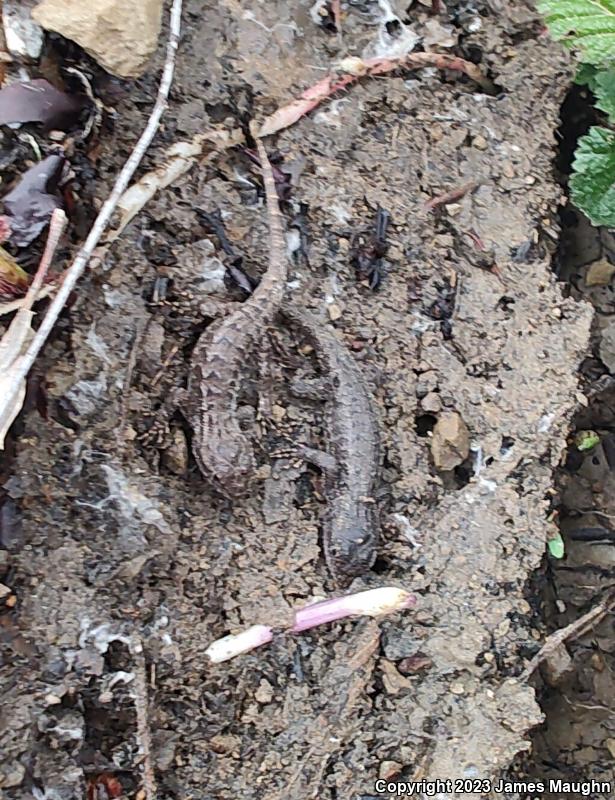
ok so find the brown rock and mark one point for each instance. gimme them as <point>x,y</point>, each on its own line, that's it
<point>389,769</point>
<point>450,442</point>
<point>599,273</point>
<point>121,36</point>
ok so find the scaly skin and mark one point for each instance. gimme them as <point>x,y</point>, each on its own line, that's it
<point>221,449</point>
<point>350,531</point>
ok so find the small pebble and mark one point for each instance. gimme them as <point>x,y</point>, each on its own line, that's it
<point>264,693</point>
<point>388,769</point>
<point>457,688</point>
<point>278,413</point>
<point>453,208</point>
<point>52,699</point>
<point>334,311</point>
<point>480,143</point>
<point>529,180</point>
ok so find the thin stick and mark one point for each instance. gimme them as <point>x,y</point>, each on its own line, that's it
<point>574,630</point>
<point>74,272</point>
<point>56,229</point>
<point>144,737</point>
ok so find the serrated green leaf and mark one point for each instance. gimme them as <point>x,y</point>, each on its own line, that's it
<point>586,75</point>
<point>604,89</point>
<point>592,183</point>
<point>556,547</point>
<point>588,25</point>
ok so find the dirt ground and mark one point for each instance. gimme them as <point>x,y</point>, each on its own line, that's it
<point>108,529</point>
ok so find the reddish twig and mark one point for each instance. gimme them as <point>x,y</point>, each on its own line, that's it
<point>352,69</point>
<point>452,196</point>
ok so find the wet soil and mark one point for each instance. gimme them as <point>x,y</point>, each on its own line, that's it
<point>109,530</point>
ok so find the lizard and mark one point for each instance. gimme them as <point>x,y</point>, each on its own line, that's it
<point>221,449</point>
<point>350,531</point>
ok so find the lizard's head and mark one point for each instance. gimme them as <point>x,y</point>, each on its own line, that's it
<point>353,543</point>
<point>228,462</point>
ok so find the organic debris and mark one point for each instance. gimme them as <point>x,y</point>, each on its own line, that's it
<point>371,603</point>
<point>19,334</point>
<point>39,101</point>
<point>14,280</point>
<point>177,160</point>
<point>31,203</point>
<point>352,69</point>
<point>451,196</point>
<point>13,381</point>
<point>367,256</point>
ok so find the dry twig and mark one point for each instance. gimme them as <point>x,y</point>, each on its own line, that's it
<point>144,737</point>
<point>572,631</point>
<point>15,378</point>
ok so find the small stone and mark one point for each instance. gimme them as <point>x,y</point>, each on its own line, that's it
<point>175,457</point>
<point>597,662</point>
<point>4,590</point>
<point>480,143</point>
<point>557,666</point>
<point>610,746</point>
<point>11,774</point>
<point>389,769</point>
<point>392,680</point>
<point>606,347</point>
<point>52,699</point>
<point>105,697</point>
<point>278,413</point>
<point>489,658</point>
<point>334,311</point>
<point>529,180</point>
<point>508,170</point>
<point>450,441</point>
<point>264,693</point>
<point>431,403</point>
<point>121,36</point>
<point>599,273</point>
<point>457,688</point>
<point>133,567</point>
<point>453,208</point>
<point>11,601</point>
<point>24,38</point>
<point>556,312</point>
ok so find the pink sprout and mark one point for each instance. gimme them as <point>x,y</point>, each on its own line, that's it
<point>371,603</point>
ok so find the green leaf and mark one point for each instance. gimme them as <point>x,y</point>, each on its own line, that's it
<point>604,89</point>
<point>586,75</point>
<point>592,181</point>
<point>588,25</point>
<point>556,547</point>
<point>586,440</point>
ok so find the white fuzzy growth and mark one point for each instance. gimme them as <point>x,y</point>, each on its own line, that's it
<point>236,644</point>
